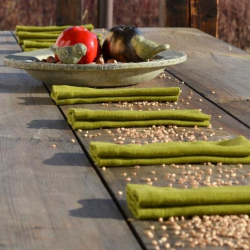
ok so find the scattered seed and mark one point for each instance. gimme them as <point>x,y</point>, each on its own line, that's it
<point>149,234</point>
<point>160,219</point>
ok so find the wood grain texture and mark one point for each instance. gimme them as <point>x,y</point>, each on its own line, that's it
<point>211,66</point>
<point>240,110</point>
<point>190,40</point>
<point>50,197</point>
<point>199,14</point>
<point>177,13</point>
<point>224,74</point>
<point>223,126</point>
<point>204,15</point>
<point>68,12</point>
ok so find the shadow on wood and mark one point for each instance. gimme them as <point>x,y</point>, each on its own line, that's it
<point>91,209</point>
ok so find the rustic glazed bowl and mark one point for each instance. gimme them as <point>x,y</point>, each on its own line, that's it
<point>92,75</point>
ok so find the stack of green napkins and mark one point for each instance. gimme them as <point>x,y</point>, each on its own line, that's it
<point>63,94</point>
<point>93,119</point>
<point>36,36</point>
<point>231,151</point>
<point>41,36</point>
<point>149,202</point>
<point>48,28</point>
<point>33,45</point>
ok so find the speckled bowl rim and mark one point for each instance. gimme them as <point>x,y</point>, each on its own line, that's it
<point>23,60</point>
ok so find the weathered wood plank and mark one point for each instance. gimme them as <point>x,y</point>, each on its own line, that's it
<point>68,12</point>
<point>220,77</point>
<point>204,15</point>
<point>224,126</point>
<point>51,197</point>
<point>201,15</point>
<point>215,69</point>
<point>190,40</point>
<point>240,110</point>
<point>105,14</point>
<point>177,13</point>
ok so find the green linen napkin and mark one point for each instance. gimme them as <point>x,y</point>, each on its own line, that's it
<point>65,95</point>
<point>39,45</point>
<point>30,49</point>
<point>231,151</point>
<point>46,40</point>
<point>93,119</point>
<point>23,35</point>
<point>150,202</point>
<point>44,32</point>
<point>48,28</point>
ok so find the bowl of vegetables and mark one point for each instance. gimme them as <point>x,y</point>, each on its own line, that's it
<point>124,58</point>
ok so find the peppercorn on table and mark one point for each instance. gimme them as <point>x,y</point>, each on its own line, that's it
<point>55,196</point>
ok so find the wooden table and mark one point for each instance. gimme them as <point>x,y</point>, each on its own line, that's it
<point>52,196</point>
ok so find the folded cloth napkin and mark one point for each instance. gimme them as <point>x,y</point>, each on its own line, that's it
<point>30,49</point>
<point>23,35</point>
<point>150,202</point>
<point>39,45</point>
<point>63,94</point>
<point>48,28</point>
<point>93,119</point>
<point>45,32</point>
<point>40,40</point>
<point>231,151</point>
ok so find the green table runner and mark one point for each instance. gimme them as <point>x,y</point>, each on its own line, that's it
<point>65,95</point>
<point>150,202</point>
<point>231,151</point>
<point>93,119</point>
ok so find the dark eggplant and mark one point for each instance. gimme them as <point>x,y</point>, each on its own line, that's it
<point>117,44</point>
<point>128,44</point>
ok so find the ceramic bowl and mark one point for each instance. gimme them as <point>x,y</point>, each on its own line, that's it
<point>92,75</point>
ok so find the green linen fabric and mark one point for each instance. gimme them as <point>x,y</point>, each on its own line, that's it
<point>23,35</point>
<point>233,151</point>
<point>65,95</point>
<point>93,119</point>
<point>46,40</point>
<point>150,202</point>
<point>48,28</point>
<point>32,44</point>
<point>35,33</point>
<point>35,44</point>
<point>30,49</point>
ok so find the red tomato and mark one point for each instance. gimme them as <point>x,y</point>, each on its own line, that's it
<point>77,34</point>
